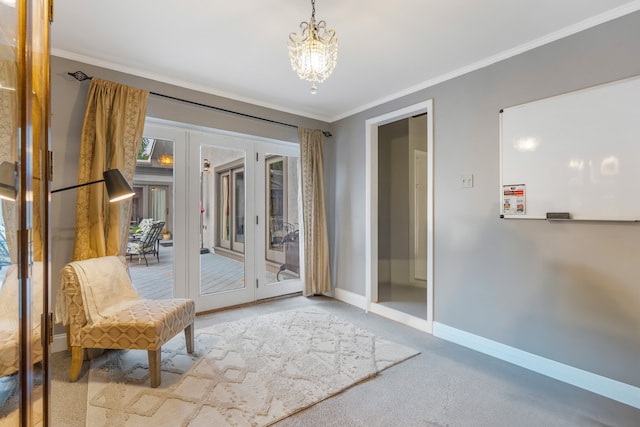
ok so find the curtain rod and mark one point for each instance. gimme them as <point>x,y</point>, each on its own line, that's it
<point>81,76</point>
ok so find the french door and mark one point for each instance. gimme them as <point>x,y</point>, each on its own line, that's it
<point>242,220</point>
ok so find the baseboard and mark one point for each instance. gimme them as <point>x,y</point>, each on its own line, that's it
<point>59,343</point>
<point>350,298</point>
<point>381,310</point>
<point>595,383</point>
<point>400,317</point>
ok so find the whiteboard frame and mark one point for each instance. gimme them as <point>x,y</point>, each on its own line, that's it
<point>537,216</point>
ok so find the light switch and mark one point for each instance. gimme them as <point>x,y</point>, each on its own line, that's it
<point>466,181</point>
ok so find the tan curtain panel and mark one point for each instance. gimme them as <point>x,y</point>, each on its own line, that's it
<point>111,137</point>
<point>9,145</point>
<point>316,244</point>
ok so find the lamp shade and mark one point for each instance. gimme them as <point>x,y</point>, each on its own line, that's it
<point>8,181</point>
<point>117,186</point>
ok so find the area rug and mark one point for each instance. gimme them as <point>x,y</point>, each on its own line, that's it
<point>252,372</point>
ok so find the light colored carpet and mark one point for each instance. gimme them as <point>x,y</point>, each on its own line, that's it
<point>250,372</point>
<point>10,405</point>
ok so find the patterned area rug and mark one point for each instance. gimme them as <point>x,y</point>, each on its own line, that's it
<point>252,372</point>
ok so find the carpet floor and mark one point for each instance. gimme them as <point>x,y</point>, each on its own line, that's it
<point>445,385</point>
<point>250,372</point>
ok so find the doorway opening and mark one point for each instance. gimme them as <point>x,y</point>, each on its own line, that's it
<point>402,215</point>
<point>399,262</point>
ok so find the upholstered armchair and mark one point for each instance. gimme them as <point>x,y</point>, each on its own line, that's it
<point>101,309</point>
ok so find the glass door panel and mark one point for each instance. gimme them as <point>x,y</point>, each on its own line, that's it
<point>275,209</point>
<point>153,273</point>
<point>24,206</point>
<point>219,260</point>
<point>279,256</point>
<point>238,210</point>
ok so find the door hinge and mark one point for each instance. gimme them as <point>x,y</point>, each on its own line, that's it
<point>50,327</point>
<point>50,11</point>
<point>256,157</point>
<point>50,165</point>
<point>46,328</point>
<point>256,219</point>
<point>256,283</point>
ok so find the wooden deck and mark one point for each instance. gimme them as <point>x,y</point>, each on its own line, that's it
<point>217,274</point>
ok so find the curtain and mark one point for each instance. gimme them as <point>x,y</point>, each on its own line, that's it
<point>9,153</point>
<point>111,137</point>
<point>158,203</point>
<point>9,149</point>
<point>316,246</point>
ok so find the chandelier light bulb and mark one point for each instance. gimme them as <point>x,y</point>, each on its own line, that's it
<point>313,52</point>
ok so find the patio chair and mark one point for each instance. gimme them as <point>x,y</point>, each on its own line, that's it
<point>147,243</point>
<point>101,309</point>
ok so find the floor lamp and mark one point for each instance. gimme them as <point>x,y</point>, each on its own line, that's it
<point>117,186</point>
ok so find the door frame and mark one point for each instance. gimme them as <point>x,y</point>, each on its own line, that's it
<point>184,190</point>
<point>371,216</point>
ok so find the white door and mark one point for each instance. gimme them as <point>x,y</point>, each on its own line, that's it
<point>278,244</point>
<point>241,219</point>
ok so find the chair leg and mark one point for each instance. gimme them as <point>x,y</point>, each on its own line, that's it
<point>154,366</point>
<point>188,337</point>
<point>77,355</point>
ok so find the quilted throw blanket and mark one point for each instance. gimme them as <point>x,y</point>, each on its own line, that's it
<point>105,286</point>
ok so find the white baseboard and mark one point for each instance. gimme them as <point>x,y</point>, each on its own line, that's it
<point>350,298</point>
<point>59,343</point>
<point>595,383</point>
<point>400,317</point>
<point>381,310</point>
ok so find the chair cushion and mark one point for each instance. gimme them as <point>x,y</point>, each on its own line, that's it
<point>134,248</point>
<point>9,320</point>
<point>145,325</point>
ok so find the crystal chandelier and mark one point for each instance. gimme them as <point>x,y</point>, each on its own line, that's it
<point>313,52</point>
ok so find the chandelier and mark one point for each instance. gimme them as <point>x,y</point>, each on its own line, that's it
<point>313,52</point>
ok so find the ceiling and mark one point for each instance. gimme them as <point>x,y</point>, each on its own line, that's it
<point>238,49</point>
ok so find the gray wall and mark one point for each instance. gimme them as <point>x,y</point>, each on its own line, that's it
<point>68,101</point>
<point>393,203</point>
<point>568,292</point>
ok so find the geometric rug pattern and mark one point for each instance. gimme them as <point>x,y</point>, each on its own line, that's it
<point>251,372</point>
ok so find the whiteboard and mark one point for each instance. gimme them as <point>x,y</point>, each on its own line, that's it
<point>576,153</point>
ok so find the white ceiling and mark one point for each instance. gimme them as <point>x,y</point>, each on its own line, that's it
<point>238,48</point>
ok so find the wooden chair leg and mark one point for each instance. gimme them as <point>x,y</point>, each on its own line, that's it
<point>154,366</point>
<point>77,355</point>
<point>188,337</point>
